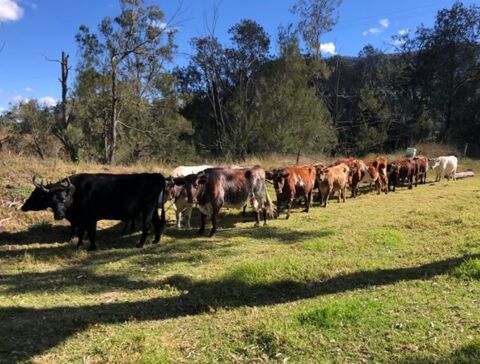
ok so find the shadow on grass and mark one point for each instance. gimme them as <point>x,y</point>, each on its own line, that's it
<point>466,354</point>
<point>27,332</point>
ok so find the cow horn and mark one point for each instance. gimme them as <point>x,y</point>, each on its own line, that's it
<point>66,182</point>
<point>39,185</point>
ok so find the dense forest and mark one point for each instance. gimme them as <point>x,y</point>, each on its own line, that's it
<point>126,100</point>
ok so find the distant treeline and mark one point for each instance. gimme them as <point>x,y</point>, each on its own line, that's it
<point>125,102</point>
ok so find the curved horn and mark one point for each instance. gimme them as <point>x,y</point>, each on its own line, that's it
<point>66,182</point>
<point>39,185</point>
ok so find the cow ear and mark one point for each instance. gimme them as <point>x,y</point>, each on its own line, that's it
<point>269,175</point>
<point>201,180</point>
<point>285,174</point>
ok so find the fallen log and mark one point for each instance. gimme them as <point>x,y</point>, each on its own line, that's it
<point>466,174</point>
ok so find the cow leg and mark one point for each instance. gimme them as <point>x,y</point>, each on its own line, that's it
<point>188,215</point>
<point>156,225</point>
<point>91,231</point>
<point>215,211</point>
<point>325,202</point>
<point>257,217</point>
<point>125,227</point>
<point>132,226</point>
<point>279,205</point>
<point>146,220</point>
<point>73,231</point>
<point>344,193</point>
<point>81,233</point>
<point>308,201</point>
<point>178,218</point>
<point>265,219</point>
<point>410,182</point>
<point>289,207</point>
<point>244,211</point>
<point>203,220</point>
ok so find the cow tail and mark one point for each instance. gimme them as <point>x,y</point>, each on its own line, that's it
<point>269,206</point>
<point>161,203</point>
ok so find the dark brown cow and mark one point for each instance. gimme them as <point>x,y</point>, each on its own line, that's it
<point>334,178</point>
<point>421,168</point>
<point>401,170</point>
<point>293,182</point>
<point>215,188</point>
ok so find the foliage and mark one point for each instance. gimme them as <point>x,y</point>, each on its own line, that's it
<point>236,99</point>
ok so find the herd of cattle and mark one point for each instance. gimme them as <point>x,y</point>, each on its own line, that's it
<point>84,199</point>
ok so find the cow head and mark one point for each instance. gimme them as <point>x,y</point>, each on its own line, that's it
<point>320,174</point>
<point>191,183</point>
<point>433,163</point>
<point>279,179</point>
<point>57,196</point>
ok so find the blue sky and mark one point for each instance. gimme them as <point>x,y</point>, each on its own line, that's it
<point>31,30</point>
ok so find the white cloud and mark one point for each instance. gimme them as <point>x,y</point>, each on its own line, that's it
<point>19,99</point>
<point>158,24</point>
<point>47,101</point>
<point>10,11</point>
<point>404,32</point>
<point>328,48</point>
<point>28,89</point>
<point>384,23</point>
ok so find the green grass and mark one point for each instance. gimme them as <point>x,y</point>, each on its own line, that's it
<point>391,278</point>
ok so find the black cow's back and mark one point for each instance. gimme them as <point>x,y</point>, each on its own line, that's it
<point>114,196</point>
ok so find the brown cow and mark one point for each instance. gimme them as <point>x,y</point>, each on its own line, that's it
<point>334,178</point>
<point>293,182</point>
<point>360,172</point>
<point>215,188</point>
<point>421,168</point>
<point>380,164</point>
<point>401,170</point>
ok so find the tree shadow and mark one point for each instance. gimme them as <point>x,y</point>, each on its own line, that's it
<point>27,332</point>
<point>466,354</point>
<point>36,234</point>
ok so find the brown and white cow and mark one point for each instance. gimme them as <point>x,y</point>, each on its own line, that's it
<point>178,196</point>
<point>331,179</point>
<point>401,170</point>
<point>291,183</point>
<point>215,188</point>
<point>421,168</point>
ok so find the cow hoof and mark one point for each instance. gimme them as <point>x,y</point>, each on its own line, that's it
<point>91,248</point>
<point>212,234</point>
<point>286,218</point>
<point>256,224</point>
<point>200,232</point>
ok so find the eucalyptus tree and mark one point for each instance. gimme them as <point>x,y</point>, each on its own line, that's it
<point>130,51</point>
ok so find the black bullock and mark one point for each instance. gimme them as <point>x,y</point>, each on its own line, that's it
<point>84,199</point>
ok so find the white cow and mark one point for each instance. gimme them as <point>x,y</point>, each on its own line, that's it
<point>183,171</point>
<point>178,196</point>
<point>444,166</point>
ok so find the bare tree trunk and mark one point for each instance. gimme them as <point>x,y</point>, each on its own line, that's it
<point>113,114</point>
<point>60,129</point>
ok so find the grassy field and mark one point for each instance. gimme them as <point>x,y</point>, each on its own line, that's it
<point>389,278</point>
